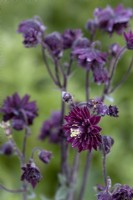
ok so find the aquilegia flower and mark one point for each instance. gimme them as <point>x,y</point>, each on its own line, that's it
<point>20,111</point>
<point>123,192</point>
<point>31,174</point>
<point>32,31</point>
<point>55,44</point>
<point>89,57</point>
<point>113,20</point>
<point>51,128</point>
<point>94,60</point>
<point>129,39</point>
<point>81,129</point>
<point>69,36</point>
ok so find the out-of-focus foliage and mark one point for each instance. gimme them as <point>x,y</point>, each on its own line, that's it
<point>22,70</point>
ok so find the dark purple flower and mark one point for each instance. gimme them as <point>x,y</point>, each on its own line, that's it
<point>107,143</point>
<point>32,31</point>
<point>69,36</point>
<point>104,196</point>
<point>129,39</point>
<point>113,20</point>
<point>51,128</point>
<point>99,108</point>
<point>123,192</point>
<point>7,148</point>
<point>55,44</point>
<point>112,111</point>
<point>20,111</point>
<point>45,156</point>
<point>81,43</point>
<point>81,129</point>
<point>89,57</point>
<point>115,49</point>
<point>100,74</point>
<point>31,174</point>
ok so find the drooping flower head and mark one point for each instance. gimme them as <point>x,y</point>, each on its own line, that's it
<point>20,111</point>
<point>129,39</point>
<point>32,31</point>
<point>51,128</point>
<point>89,57</point>
<point>31,174</point>
<point>81,129</point>
<point>45,156</point>
<point>113,20</point>
<point>94,60</point>
<point>69,36</point>
<point>55,43</point>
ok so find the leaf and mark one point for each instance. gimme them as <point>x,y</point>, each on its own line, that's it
<point>61,193</point>
<point>42,197</point>
<point>62,179</point>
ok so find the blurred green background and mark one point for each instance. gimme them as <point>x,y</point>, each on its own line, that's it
<point>22,70</point>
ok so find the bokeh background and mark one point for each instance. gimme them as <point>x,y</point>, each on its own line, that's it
<point>22,70</point>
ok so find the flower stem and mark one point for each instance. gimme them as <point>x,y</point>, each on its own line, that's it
<point>25,185</point>
<point>85,176</point>
<point>87,86</point>
<point>73,177</point>
<point>124,78</point>
<point>104,169</point>
<point>48,68</point>
<point>64,146</point>
<point>112,68</point>
<point>10,190</point>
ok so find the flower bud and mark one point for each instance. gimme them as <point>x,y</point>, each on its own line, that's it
<point>7,148</point>
<point>45,156</point>
<point>67,97</point>
<point>107,143</point>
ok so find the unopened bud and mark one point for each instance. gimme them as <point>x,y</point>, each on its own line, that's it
<point>107,143</point>
<point>45,156</point>
<point>67,97</point>
<point>7,148</point>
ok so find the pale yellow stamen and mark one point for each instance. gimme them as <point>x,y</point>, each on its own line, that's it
<point>74,132</point>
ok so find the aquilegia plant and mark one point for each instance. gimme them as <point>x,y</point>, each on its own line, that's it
<point>78,126</point>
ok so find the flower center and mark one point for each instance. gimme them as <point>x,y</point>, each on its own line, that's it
<point>74,131</point>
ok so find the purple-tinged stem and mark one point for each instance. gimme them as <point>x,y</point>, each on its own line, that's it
<point>85,176</point>
<point>70,65</point>
<point>87,86</point>
<point>64,146</point>
<point>73,177</point>
<point>48,68</point>
<point>27,132</point>
<point>25,185</point>
<point>124,78</point>
<point>104,169</point>
<point>112,68</point>
<point>10,190</point>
